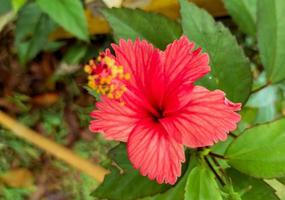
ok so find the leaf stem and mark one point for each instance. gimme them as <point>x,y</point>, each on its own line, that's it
<point>219,166</point>
<point>215,172</point>
<point>233,135</point>
<point>217,155</point>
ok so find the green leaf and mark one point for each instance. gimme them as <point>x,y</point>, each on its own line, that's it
<point>52,46</point>
<point>75,54</point>
<point>253,188</point>
<point>265,101</point>
<point>271,38</point>
<point>259,151</point>
<point>266,114</point>
<point>201,185</point>
<point>126,182</point>
<point>32,30</point>
<point>17,4</point>
<point>244,14</point>
<point>132,24</point>
<point>67,13</point>
<point>264,97</point>
<point>5,7</point>
<point>92,92</point>
<point>230,194</point>
<point>230,68</point>
<point>281,180</point>
<point>15,193</point>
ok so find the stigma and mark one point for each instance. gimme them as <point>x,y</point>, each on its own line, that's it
<point>106,77</point>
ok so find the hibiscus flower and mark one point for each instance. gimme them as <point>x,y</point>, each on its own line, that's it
<point>149,101</point>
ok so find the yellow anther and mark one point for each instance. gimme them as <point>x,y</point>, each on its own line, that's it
<point>127,76</point>
<point>123,88</point>
<point>107,78</point>
<point>88,69</point>
<point>109,61</point>
<point>103,80</point>
<point>91,62</point>
<point>110,95</point>
<point>92,84</point>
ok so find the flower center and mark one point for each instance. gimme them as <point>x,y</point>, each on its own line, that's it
<point>106,77</point>
<point>158,115</point>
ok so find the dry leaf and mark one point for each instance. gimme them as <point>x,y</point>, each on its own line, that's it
<point>19,178</point>
<point>46,99</point>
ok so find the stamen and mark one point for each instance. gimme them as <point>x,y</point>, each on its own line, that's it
<point>106,77</point>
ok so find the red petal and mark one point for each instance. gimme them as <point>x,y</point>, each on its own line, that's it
<point>113,119</point>
<point>154,153</point>
<point>183,64</point>
<point>207,118</point>
<point>143,61</point>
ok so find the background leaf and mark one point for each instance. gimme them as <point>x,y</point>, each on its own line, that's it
<point>259,151</point>
<point>271,38</point>
<point>32,30</point>
<point>126,183</point>
<point>266,103</point>
<point>256,189</point>
<point>5,7</point>
<point>132,24</point>
<point>230,68</point>
<point>75,54</point>
<point>17,4</point>
<point>244,14</point>
<point>67,13</point>
<point>202,185</point>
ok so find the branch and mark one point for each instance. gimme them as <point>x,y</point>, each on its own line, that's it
<point>95,171</point>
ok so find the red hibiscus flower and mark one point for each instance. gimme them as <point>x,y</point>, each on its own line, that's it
<point>149,101</point>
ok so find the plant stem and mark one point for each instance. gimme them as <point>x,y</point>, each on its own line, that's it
<point>95,171</point>
<point>215,172</point>
<point>233,135</point>
<point>217,155</point>
<point>219,166</point>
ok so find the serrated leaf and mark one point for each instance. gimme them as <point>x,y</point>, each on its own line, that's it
<point>244,14</point>
<point>230,68</point>
<point>201,185</point>
<point>281,180</point>
<point>132,24</point>
<point>259,151</point>
<point>32,30</point>
<point>126,183</point>
<point>253,188</point>
<point>67,13</point>
<point>271,38</point>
